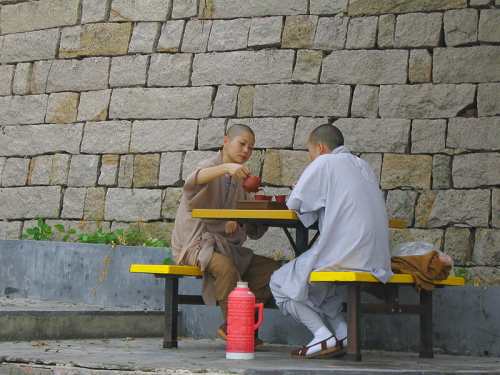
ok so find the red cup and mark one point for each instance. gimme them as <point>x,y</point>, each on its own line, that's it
<point>280,198</point>
<point>263,197</point>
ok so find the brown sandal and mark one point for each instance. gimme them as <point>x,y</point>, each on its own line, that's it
<point>337,351</point>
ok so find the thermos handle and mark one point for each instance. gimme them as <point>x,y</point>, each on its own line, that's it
<point>259,306</point>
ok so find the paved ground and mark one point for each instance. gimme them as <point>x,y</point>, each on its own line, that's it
<point>141,356</point>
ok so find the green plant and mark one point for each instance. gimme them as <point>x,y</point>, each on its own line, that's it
<point>41,232</point>
<point>66,234</point>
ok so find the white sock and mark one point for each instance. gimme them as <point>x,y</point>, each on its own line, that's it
<point>320,335</point>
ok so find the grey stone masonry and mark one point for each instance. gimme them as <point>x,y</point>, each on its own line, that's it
<point>476,170</point>
<point>424,101</point>
<point>39,76</point>
<point>171,36</point>
<point>2,164</point>
<point>489,29</point>
<point>299,31</point>
<point>126,171</point>
<point>331,33</point>
<point>133,204</point>
<point>362,33</point>
<point>161,103</point>
<point>185,8</point>
<point>250,8</point>
<point>170,168</point>
<point>109,170</point>
<point>6,79</point>
<point>83,170</point>
<point>94,10</point>
<point>94,204</point>
<point>79,75</point>
<point>302,100</point>
<point>458,244</point>
<point>245,67</point>
<point>474,133</point>
<point>375,135</point>
<point>40,168</point>
<point>305,125</point>
<point>365,67</point>
<point>470,64</point>
<point>22,77</point>
<point>10,230</point>
<point>192,159</point>
<point>307,66</point>
<point>366,7</point>
<point>420,66</point>
<point>36,15</point>
<point>15,172</point>
<point>169,135</point>
<point>428,136</point>
<point>246,96</point>
<point>106,137</point>
<point>479,3</point>
<point>495,208</point>
<point>132,10</point>
<point>211,133</point>
<point>35,45</point>
<point>15,110</point>
<point>441,172</point>
<point>30,202</point>
<point>386,28</point>
<point>460,27</point>
<point>74,199</point>
<point>328,6</point>
<point>401,205</point>
<point>365,101</point>
<point>62,107</point>
<point>375,161</point>
<point>128,71</point>
<point>94,105</point>
<point>488,99</point>
<point>144,36</point>
<point>171,202</point>
<point>270,132</point>
<point>60,169</point>
<point>227,35</point>
<point>170,69</point>
<point>225,101</point>
<point>427,24</point>
<point>486,250</point>
<point>196,34</point>
<point>265,31</point>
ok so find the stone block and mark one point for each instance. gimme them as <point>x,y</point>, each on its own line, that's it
<point>386,30</point>
<point>331,33</point>
<point>299,31</point>
<point>132,10</point>
<point>170,69</point>
<point>225,101</point>
<point>251,8</point>
<point>246,96</point>
<point>375,161</point>
<point>167,135</point>
<point>488,99</point>
<point>328,6</point>
<point>133,204</point>
<point>362,33</point>
<point>146,170</point>
<point>423,210</point>
<point>185,8</point>
<point>367,7</point>
<point>30,202</point>
<point>109,170</point>
<point>273,244</point>
<point>243,67</point>
<point>375,135</point>
<point>479,3</point>
<point>73,203</point>
<point>79,75</point>
<point>476,170</point>
<point>420,66</point>
<point>171,36</point>
<point>6,79</point>
<point>307,66</point>
<point>265,31</point>
<point>83,170</point>
<point>40,139</point>
<point>302,100</point>
<point>192,159</point>
<point>60,169</point>
<point>487,247</point>
<point>126,171</point>
<point>424,101</point>
<point>351,67</point>
<point>106,137</point>
<point>227,35</point>
<point>94,105</point>
<point>2,164</point>
<point>35,45</point>
<point>39,76</point>
<point>144,36</point>
<point>483,276</point>
<point>94,204</point>
<point>470,64</point>
<point>10,230</point>
<point>304,127</point>
<point>401,205</point>
<point>441,172</point>
<point>62,108</point>
<point>403,171</point>
<point>365,101</point>
<point>22,79</point>
<point>429,30</point>
<point>36,15</point>
<point>433,236</point>
<point>95,39</point>
<point>474,133</point>
<point>171,202</point>
<point>128,71</point>
<point>428,136</point>
<point>256,161</point>
<point>161,103</point>
<point>196,34</point>
<point>284,167</point>
<point>170,168</point>
<point>15,172</point>
<point>95,10</point>
<point>489,30</point>
<point>40,170</point>
<point>211,133</point>
<point>460,27</point>
<point>20,110</point>
<point>458,244</point>
<point>495,208</point>
<point>270,132</point>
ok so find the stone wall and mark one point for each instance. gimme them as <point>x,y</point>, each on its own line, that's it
<point>106,106</point>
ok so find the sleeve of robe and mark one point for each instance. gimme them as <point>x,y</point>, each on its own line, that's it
<point>310,192</point>
<point>199,196</point>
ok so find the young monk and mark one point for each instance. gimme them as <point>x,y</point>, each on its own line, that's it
<point>217,246</point>
<point>341,193</point>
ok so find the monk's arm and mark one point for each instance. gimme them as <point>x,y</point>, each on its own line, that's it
<point>209,174</point>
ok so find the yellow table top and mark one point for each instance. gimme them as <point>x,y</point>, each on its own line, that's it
<point>244,214</point>
<point>164,269</point>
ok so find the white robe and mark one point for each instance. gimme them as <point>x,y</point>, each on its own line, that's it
<point>340,191</point>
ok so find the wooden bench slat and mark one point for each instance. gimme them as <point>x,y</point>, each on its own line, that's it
<point>163,269</point>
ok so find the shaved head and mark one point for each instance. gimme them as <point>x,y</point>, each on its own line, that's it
<point>238,129</point>
<point>327,135</point>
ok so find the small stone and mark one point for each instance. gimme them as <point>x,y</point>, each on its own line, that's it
<point>94,204</point>
<point>94,105</point>
<point>60,169</point>
<point>94,10</point>
<point>79,75</point>
<point>35,45</point>
<point>489,31</point>
<point>420,66</point>
<point>386,29</point>
<point>488,99</point>
<point>401,205</point>
<point>227,35</point>
<point>328,6</point>
<point>39,76</point>
<point>245,8</point>
<point>133,204</point>
<point>73,203</point>
<point>427,24</point>
<point>146,168</point>
<point>171,36</point>
<point>6,78</point>
<point>192,159</point>
<point>305,125</point>
<point>144,36</point>
<point>423,210</point>
<point>170,69</point>
<point>132,10</point>
<point>284,167</point>
<point>365,7</point>
<point>458,244</point>
<point>196,36</point>
<point>256,161</point>
<point>365,101</point>
<point>225,101</point>
<point>495,208</point>
<point>483,276</point>
<point>362,33</point>
<point>62,108</point>
<point>30,202</point>
<point>15,172</point>
<point>428,136</point>
<point>40,169</point>
<point>474,133</point>
<point>163,135</point>
<point>22,110</point>
<point>299,31</point>
<point>412,171</point>
<point>307,66</point>
<point>10,230</point>
<point>265,31</point>
<point>105,137</point>
<point>479,3</point>
<point>460,27</point>
<point>476,170</point>
<point>22,79</point>
<point>211,133</point>
<point>375,161</point>
<point>185,8</point>
<point>245,101</point>
<point>486,247</point>
<point>83,170</point>
<point>128,71</point>
<point>441,172</point>
<point>270,132</point>
<point>170,168</point>
<point>109,170</point>
<point>433,236</point>
<point>331,33</point>
<point>171,202</point>
<point>126,171</point>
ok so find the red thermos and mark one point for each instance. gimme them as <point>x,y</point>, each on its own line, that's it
<point>241,324</point>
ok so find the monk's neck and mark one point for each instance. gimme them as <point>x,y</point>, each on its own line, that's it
<point>225,157</point>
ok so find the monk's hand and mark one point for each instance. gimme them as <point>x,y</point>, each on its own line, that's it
<point>237,170</point>
<point>231,227</point>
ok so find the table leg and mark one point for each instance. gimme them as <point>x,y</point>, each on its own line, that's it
<point>426,344</point>
<point>171,311</point>
<point>301,238</point>
<point>353,323</point>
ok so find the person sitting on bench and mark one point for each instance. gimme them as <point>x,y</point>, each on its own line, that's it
<point>340,192</point>
<point>217,246</point>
